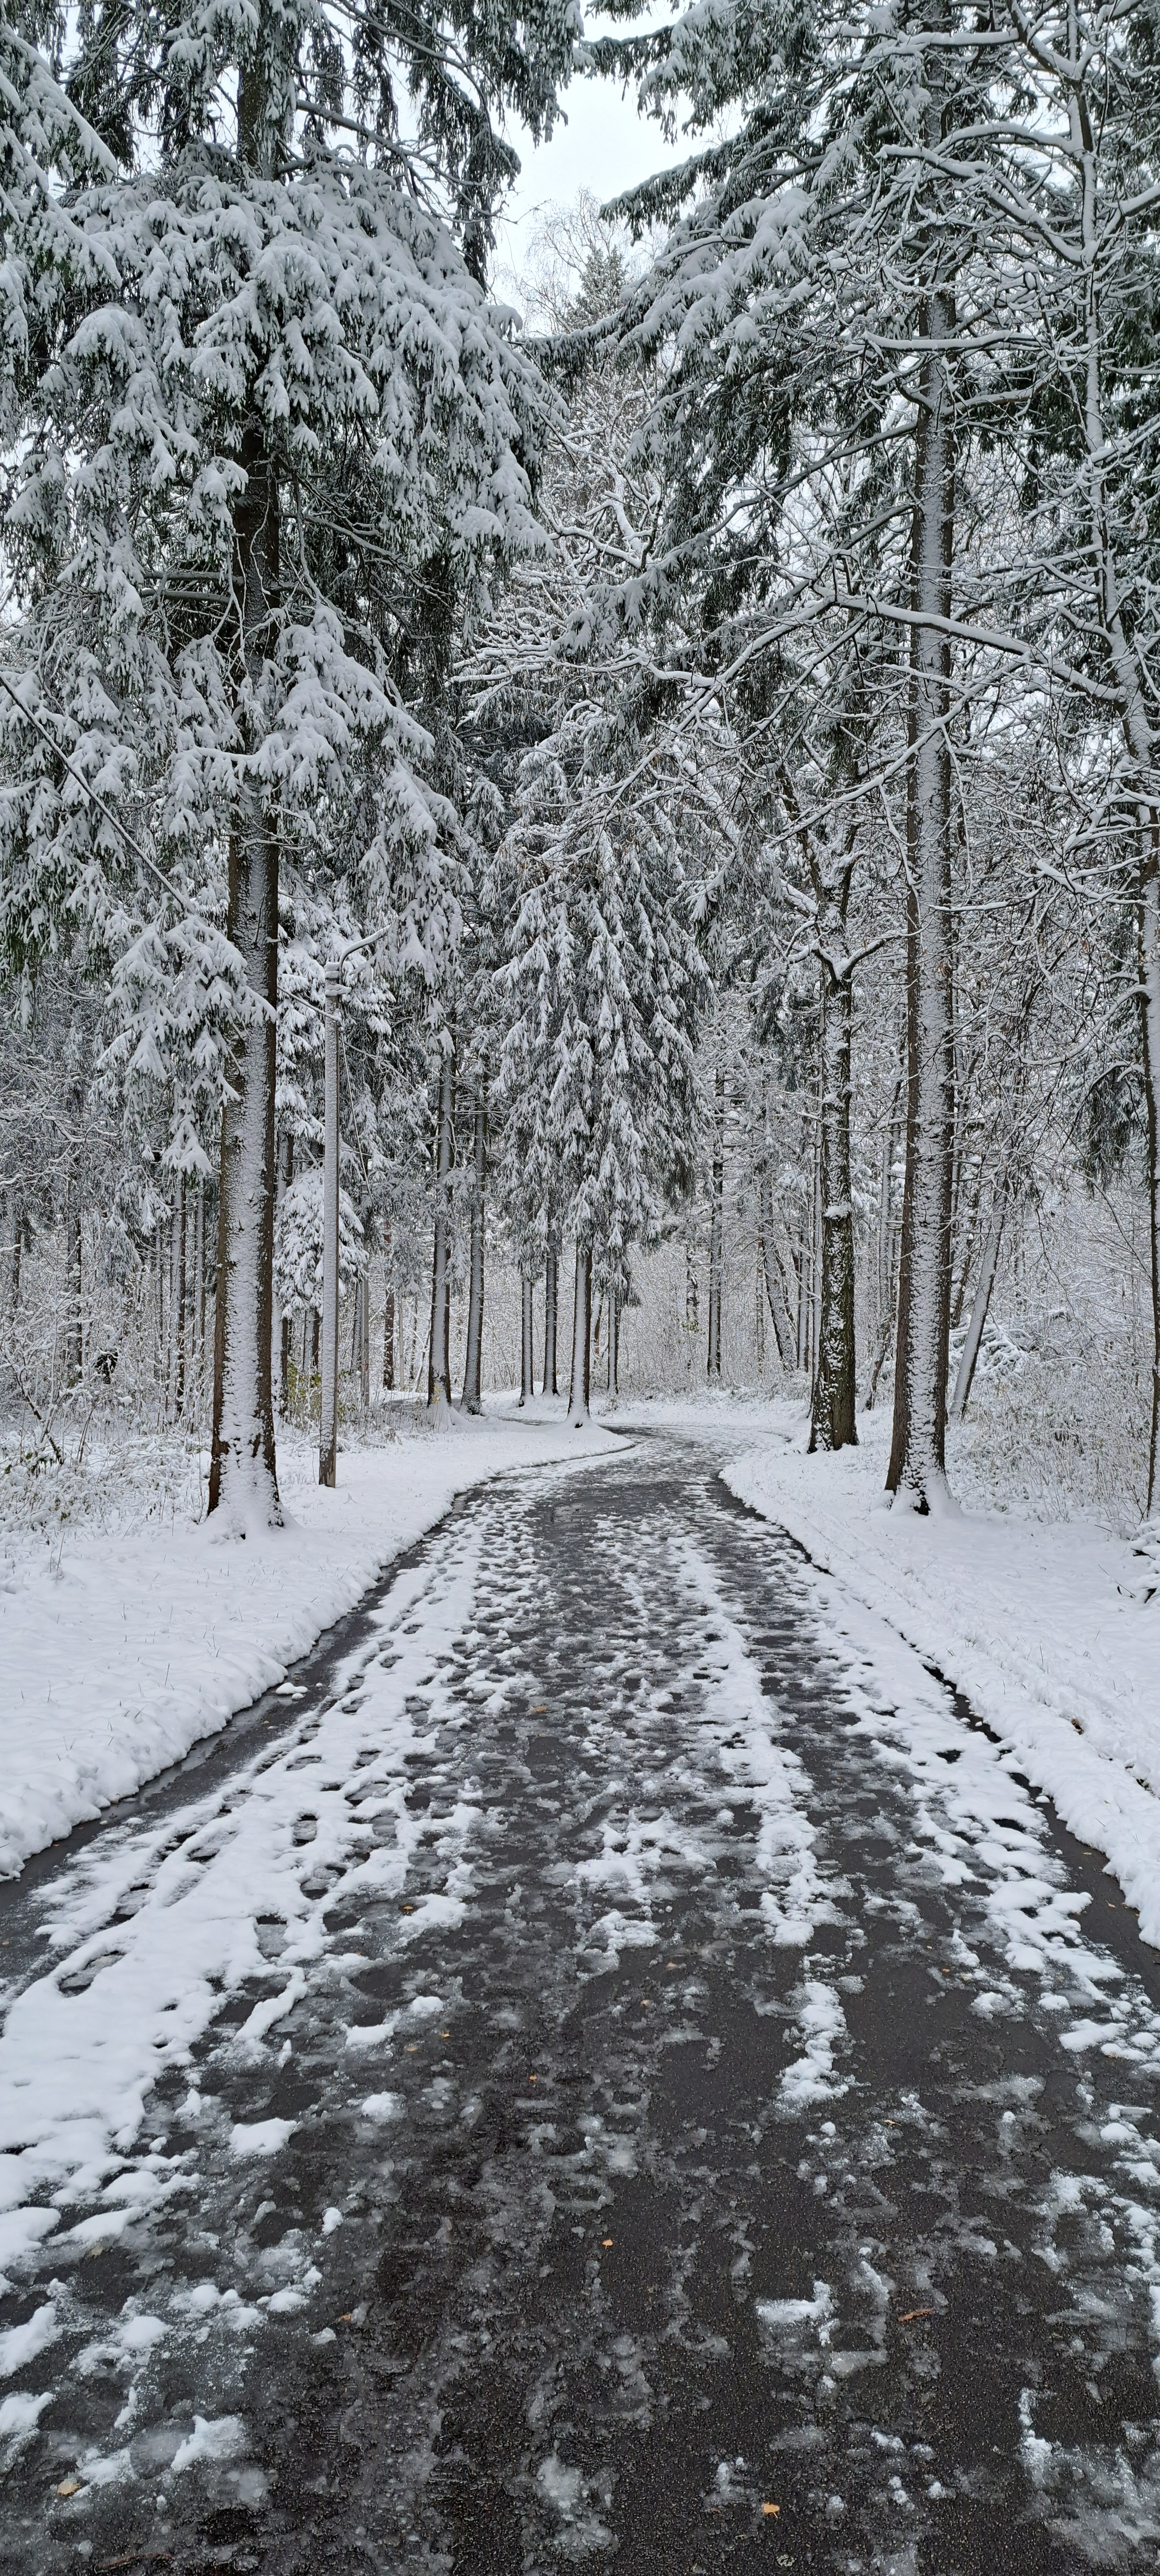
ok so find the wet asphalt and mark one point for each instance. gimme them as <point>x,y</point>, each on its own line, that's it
<point>613,2287</point>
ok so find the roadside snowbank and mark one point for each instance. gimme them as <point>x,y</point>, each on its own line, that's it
<point>121,1651</point>
<point>1041,1625</point>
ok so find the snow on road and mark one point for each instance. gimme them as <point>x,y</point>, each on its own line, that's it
<point>1047,1629</point>
<point>608,1892</point>
<point>118,1653</point>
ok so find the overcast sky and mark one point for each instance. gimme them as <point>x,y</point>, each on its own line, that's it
<point>604,146</point>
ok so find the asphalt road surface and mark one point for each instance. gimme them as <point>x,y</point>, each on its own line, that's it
<point>713,2120</point>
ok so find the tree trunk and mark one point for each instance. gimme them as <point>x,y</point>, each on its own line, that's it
<point>388,1320</point>
<point>180,1301</point>
<point>285,1176</point>
<point>917,1471</point>
<point>331,1275</point>
<point>1149,951</point>
<point>982,1300</point>
<point>716,1225</point>
<point>832,1423</point>
<point>199,1276</point>
<point>527,1372</point>
<point>243,1481</point>
<point>472,1367</point>
<point>73,1325</point>
<point>613,1342</point>
<point>579,1391</point>
<point>438,1356</point>
<point>550,1304</point>
<point>783,1331</point>
<point>16,1242</point>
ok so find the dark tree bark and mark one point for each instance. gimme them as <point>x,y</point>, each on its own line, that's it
<point>783,1329</point>
<point>74,1328</point>
<point>180,1301</point>
<point>243,1472</point>
<point>527,1352</point>
<point>388,1317</point>
<point>438,1355</point>
<point>716,1224</point>
<point>580,1389</point>
<point>472,1391</point>
<point>917,1471</point>
<point>550,1308</point>
<point>832,1422</point>
<point>285,1176</point>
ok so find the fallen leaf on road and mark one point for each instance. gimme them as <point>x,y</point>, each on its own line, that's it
<point>606,2240</point>
<point>911,2313</point>
<point>69,2486</point>
<point>771,2508</point>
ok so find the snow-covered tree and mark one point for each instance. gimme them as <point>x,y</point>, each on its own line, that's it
<point>268,437</point>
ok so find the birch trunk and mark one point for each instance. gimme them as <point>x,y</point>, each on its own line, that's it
<point>716,1225</point>
<point>438,1358</point>
<point>579,1391</point>
<point>243,1482</point>
<point>472,1392</point>
<point>917,1471</point>
<point>550,1307</point>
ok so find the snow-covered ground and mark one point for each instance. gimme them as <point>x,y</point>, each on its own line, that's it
<point>118,1650</point>
<point>1044,1626</point>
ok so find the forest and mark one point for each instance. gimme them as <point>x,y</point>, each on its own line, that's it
<point>697,701</point>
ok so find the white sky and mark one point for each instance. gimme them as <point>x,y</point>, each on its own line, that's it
<point>604,146</point>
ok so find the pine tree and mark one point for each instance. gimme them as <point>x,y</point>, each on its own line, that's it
<point>268,436</point>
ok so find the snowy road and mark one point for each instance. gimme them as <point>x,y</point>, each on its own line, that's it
<point>582,2084</point>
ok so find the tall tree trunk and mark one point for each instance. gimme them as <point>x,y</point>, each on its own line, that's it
<point>783,1330</point>
<point>614,1340</point>
<point>579,1392</point>
<point>16,1244</point>
<point>74,1327</point>
<point>982,1300</point>
<point>180,1303</point>
<point>527,1353</point>
<point>285,1176</point>
<point>388,1317</point>
<point>199,1276</point>
<point>550,1306</point>
<point>917,1471</point>
<point>438,1355</point>
<point>473,1362</point>
<point>1149,949</point>
<point>716,1225</point>
<point>832,1424</point>
<point>243,1481</point>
